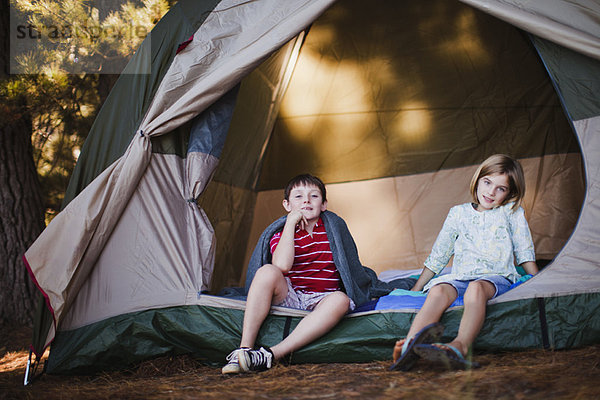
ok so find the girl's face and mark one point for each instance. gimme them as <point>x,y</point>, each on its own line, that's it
<point>492,190</point>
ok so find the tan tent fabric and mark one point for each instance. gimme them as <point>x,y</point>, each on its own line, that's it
<point>224,49</point>
<point>230,205</point>
<point>396,220</point>
<point>159,227</point>
<point>573,24</point>
<point>75,237</point>
<point>579,257</point>
<point>220,54</point>
<point>405,89</point>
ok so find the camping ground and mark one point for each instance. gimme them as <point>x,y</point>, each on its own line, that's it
<point>532,374</point>
<point>463,59</point>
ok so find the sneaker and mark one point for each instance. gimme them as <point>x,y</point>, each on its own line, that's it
<point>233,365</point>
<point>255,360</point>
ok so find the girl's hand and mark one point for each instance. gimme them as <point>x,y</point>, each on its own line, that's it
<point>425,277</point>
<point>530,267</point>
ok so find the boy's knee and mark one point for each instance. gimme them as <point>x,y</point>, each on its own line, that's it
<point>267,273</point>
<point>341,299</point>
<point>268,270</point>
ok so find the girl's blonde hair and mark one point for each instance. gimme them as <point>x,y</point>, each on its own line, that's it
<point>502,164</point>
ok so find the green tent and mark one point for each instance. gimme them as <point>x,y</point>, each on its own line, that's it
<point>393,104</point>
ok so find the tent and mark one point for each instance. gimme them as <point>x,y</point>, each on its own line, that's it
<point>392,103</point>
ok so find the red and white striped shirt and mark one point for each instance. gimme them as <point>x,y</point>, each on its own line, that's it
<point>313,270</point>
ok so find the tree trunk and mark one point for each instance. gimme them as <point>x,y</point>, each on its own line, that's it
<point>21,216</point>
<point>21,207</point>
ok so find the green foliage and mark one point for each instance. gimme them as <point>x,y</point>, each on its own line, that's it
<point>63,75</point>
<point>76,36</point>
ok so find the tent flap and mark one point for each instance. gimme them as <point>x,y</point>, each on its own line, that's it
<point>572,24</point>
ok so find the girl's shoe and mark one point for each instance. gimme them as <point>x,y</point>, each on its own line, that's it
<point>444,354</point>
<point>408,357</point>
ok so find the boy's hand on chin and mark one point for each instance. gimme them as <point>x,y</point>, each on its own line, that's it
<point>298,219</point>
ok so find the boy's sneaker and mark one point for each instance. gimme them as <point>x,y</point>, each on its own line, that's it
<point>233,365</point>
<point>256,360</point>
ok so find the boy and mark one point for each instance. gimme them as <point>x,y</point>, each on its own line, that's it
<point>305,260</point>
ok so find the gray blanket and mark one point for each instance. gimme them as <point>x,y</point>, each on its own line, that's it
<point>359,282</point>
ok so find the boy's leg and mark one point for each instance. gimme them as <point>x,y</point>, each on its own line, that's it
<point>476,297</point>
<point>328,312</point>
<point>268,286</point>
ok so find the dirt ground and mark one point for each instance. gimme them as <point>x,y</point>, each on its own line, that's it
<point>535,374</point>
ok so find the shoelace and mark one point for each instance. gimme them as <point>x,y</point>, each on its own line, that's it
<point>233,356</point>
<point>258,358</point>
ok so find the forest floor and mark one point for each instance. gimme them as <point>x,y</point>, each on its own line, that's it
<point>533,374</point>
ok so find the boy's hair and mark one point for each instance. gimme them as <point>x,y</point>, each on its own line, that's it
<point>502,164</point>
<point>305,180</point>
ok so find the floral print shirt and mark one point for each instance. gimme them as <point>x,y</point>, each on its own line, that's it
<point>482,243</point>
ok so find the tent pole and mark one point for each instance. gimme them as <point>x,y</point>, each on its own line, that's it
<point>31,368</point>
<point>284,81</point>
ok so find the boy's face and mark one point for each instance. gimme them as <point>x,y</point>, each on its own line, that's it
<point>308,200</point>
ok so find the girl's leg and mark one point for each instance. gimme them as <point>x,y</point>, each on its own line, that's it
<point>476,297</point>
<point>438,300</point>
<point>318,322</point>
<point>268,286</point>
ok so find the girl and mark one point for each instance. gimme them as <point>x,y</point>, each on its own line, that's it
<point>483,236</point>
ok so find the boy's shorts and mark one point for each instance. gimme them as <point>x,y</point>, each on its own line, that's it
<point>500,283</point>
<point>304,301</point>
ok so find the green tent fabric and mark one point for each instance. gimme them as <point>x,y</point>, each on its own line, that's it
<point>392,103</point>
